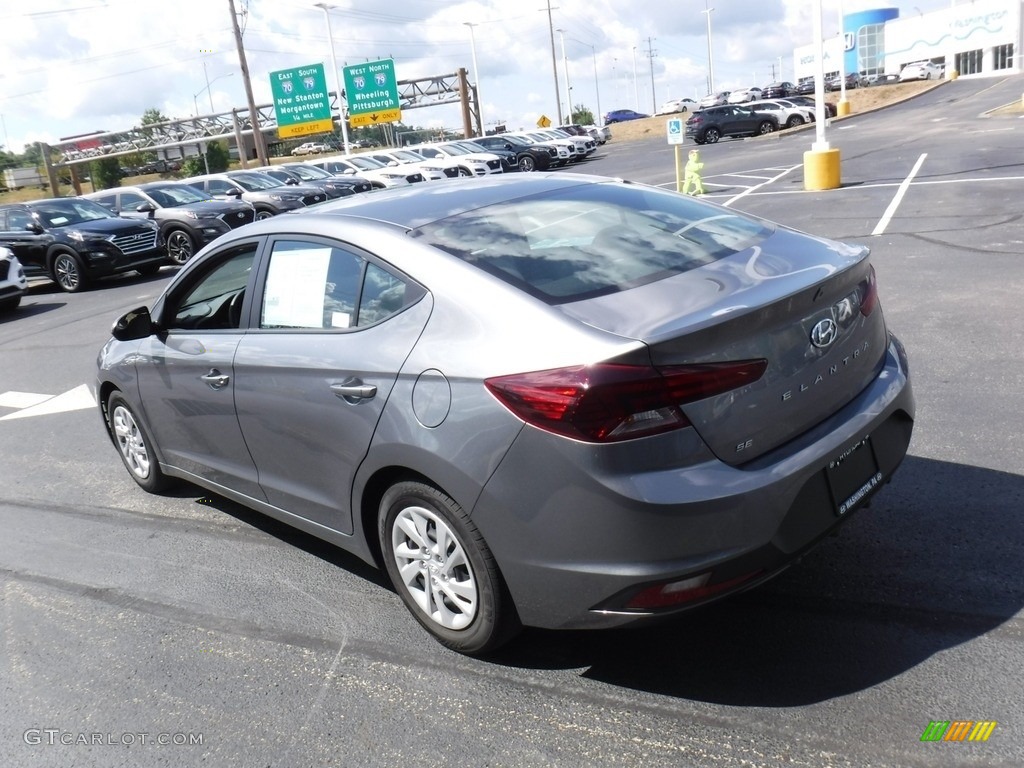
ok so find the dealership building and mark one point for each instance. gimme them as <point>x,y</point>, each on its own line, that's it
<point>979,37</point>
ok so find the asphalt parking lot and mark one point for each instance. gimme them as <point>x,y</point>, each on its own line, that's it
<point>127,617</point>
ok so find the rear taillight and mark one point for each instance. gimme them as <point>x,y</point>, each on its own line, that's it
<point>608,402</point>
<point>869,294</point>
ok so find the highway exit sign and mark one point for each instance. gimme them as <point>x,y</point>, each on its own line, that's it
<point>371,92</point>
<point>301,101</point>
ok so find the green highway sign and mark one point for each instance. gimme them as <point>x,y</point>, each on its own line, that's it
<point>301,101</point>
<point>371,91</point>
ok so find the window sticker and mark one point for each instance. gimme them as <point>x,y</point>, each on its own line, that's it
<point>294,296</point>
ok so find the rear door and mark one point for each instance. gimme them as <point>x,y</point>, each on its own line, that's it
<point>331,328</point>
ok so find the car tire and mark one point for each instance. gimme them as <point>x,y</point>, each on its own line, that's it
<point>711,136</point>
<point>264,213</point>
<point>148,270</point>
<point>180,247</point>
<point>134,445</point>
<point>67,272</point>
<point>766,127</point>
<point>443,570</point>
<point>10,304</point>
<point>465,171</point>
<point>794,121</point>
<point>527,164</point>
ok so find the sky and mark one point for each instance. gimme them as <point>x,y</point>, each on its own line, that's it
<point>69,67</point>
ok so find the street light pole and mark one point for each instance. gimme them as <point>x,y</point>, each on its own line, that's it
<point>337,77</point>
<point>209,82</point>
<point>476,76</point>
<point>711,63</point>
<point>554,64</point>
<point>565,66</point>
<point>636,90</point>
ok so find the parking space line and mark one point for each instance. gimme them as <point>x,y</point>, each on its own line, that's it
<point>895,202</point>
<point>750,190</point>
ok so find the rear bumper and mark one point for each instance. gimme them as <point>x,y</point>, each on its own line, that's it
<point>597,524</point>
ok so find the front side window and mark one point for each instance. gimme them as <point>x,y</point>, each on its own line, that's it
<point>130,201</point>
<point>214,301</point>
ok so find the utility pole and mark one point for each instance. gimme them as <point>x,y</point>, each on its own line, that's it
<point>257,134</point>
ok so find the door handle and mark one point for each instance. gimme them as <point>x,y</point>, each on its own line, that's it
<point>215,379</point>
<point>354,389</point>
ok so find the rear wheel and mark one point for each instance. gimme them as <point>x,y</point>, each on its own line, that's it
<point>67,272</point>
<point>443,570</point>
<point>180,247</point>
<point>712,135</point>
<point>133,444</point>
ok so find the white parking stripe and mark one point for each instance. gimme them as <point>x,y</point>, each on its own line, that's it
<point>31,404</point>
<point>895,203</point>
<point>749,190</point>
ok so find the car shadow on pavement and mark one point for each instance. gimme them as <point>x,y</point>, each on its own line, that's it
<point>932,564</point>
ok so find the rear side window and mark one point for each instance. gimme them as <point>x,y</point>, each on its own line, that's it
<point>316,286</point>
<point>583,242</point>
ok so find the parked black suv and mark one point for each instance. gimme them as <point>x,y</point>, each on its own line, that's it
<point>187,218</point>
<point>711,124</point>
<point>72,240</point>
<point>528,157</point>
<point>266,194</point>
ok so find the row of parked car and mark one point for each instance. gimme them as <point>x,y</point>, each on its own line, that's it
<point>140,228</point>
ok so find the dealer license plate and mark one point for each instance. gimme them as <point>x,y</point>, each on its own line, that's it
<point>853,475</point>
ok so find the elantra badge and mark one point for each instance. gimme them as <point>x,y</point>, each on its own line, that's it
<point>824,333</point>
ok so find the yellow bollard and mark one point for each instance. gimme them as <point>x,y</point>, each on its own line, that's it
<point>821,169</point>
<point>843,108</point>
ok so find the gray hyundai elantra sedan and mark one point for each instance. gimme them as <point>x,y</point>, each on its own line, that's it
<point>558,401</point>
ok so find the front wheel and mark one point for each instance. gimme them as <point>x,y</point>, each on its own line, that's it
<point>263,214</point>
<point>67,272</point>
<point>180,247</point>
<point>712,135</point>
<point>465,172</point>
<point>766,127</point>
<point>527,164</point>
<point>794,121</point>
<point>443,570</point>
<point>134,445</point>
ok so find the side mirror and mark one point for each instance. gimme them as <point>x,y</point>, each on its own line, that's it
<point>233,192</point>
<point>146,208</point>
<point>35,227</point>
<point>291,181</point>
<point>133,325</point>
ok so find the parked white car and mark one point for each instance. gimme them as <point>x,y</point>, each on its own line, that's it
<point>672,106</point>
<point>379,174</point>
<point>469,163</point>
<point>744,95</point>
<point>311,148</point>
<point>714,100</point>
<point>786,112</point>
<point>13,282</point>
<point>432,169</point>
<point>920,70</point>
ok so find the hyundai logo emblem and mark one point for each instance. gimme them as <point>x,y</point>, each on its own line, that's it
<point>824,333</point>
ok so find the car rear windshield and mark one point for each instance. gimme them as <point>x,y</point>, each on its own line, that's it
<point>594,239</point>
